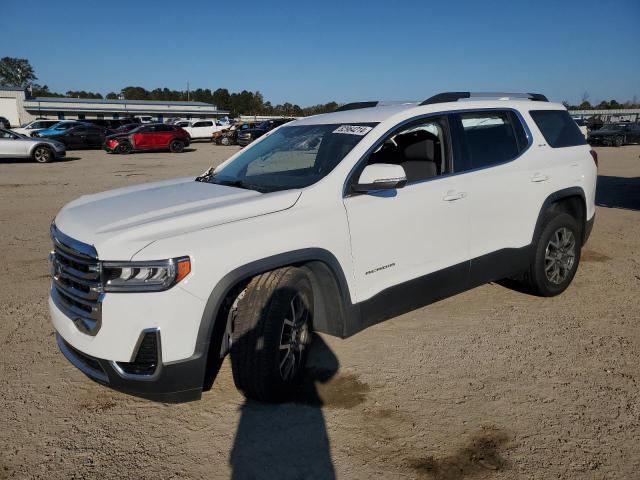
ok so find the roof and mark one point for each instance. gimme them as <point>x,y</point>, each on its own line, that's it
<point>5,88</point>
<point>379,114</point>
<point>117,102</point>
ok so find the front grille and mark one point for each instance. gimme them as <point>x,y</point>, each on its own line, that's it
<point>75,285</point>
<point>146,359</point>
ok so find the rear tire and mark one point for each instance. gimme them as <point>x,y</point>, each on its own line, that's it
<point>556,256</point>
<point>618,142</point>
<point>43,154</point>
<point>176,146</point>
<point>271,333</point>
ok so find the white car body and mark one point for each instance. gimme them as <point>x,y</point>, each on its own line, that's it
<point>35,126</point>
<point>372,243</point>
<point>201,128</point>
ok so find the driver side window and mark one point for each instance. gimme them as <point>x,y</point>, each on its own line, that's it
<point>421,148</point>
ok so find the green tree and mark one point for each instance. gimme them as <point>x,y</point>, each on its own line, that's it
<point>112,96</point>
<point>16,72</point>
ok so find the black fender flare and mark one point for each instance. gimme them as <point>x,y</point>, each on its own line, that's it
<point>556,196</point>
<point>211,330</point>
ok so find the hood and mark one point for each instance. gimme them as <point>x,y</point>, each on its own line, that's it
<point>119,223</point>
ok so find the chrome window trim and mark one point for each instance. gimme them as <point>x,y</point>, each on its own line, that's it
<point>529,135</point>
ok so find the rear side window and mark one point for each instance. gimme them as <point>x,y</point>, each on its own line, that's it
<point>203,124</point>
<point>558,128</point>
<point>491,138</point>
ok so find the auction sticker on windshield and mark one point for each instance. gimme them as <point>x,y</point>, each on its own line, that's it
<point>353,129</point>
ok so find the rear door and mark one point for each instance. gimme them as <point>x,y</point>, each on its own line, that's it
<point>95,137</point>
<point>508,180</point>
<point>75,137</point>
<point>162,135</point>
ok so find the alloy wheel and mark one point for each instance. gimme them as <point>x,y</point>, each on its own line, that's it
<point>560,255</point>
<point>42,155</point>
<point>294,339</point>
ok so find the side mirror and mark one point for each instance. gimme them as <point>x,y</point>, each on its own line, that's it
<point>381,176</point>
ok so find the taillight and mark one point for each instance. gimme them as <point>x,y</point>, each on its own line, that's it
<point>594,155</point>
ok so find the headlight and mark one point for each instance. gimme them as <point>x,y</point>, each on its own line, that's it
<point>153,276</point>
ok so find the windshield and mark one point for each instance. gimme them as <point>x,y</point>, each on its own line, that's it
<point>292,157</point>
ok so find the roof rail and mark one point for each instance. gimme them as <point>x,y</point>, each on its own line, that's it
<point>355,106</point>
<point>455,96</point>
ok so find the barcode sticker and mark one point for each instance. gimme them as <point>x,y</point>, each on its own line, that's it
<point>360,130</point>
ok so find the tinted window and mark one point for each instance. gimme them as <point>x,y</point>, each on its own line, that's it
<point>203,124</point>
<point>490,138</point>
<point>558,128</point>
<point>163,128</point>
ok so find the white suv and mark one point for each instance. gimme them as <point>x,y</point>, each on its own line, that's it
<point>330,223</point>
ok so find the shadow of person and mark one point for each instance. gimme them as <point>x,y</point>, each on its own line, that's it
<point>289,440</point>
<point>618,192</point>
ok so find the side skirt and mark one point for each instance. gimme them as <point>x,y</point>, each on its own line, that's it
<point>422,291</point>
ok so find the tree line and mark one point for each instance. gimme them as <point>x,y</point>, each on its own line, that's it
<point>18,72</point>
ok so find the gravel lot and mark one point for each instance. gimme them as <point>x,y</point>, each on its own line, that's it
<point>489,384</point>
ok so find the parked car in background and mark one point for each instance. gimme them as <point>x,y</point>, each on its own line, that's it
<point>615,134</point>
<point>201,128</point>
<point>81,136</point>
<point>34,126</point>
<point>5,123</point>
<point>229,136</point>
<point>111,123</point>
<point>42,150</point>
<point>247,136</point>
<point>57,128</point>
<point>144,118</point>
<point>582,125</point>
<point>156,136</point>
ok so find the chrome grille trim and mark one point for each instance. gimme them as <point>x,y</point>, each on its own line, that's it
<point>75,281</point>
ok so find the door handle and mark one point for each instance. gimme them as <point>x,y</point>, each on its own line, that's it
<point>540,177</point>
<point>452,196</point>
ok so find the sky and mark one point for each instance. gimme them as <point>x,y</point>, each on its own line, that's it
<point>308,52</point>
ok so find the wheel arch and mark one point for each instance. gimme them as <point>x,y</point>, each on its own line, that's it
<point>40,144</point>
<point>570,200</point>
<point>327,280</point>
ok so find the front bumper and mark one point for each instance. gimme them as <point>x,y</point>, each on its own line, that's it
<point>172,382</point>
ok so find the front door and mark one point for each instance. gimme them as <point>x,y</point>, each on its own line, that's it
<point>410,245</point>
<point>11,146</point>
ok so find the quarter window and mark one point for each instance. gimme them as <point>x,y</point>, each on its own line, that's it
<point>558,128</point>
<point>491,138</point>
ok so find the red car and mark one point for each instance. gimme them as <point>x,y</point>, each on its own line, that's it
<point>154,136</point>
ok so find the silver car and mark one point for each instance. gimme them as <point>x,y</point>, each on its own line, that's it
<point>42,150</point>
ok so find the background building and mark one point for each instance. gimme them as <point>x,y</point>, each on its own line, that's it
<point>18,107</point>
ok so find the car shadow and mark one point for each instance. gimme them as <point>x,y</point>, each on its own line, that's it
<point>618,192</point>
<point>288,440</point>
<point>9,161</point>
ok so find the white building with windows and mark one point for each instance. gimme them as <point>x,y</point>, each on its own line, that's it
<point>18,107</point>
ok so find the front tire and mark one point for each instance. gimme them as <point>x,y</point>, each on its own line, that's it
<point>618,142</point>
<point>124,148</point>
<point>176,146</point>
<point>556,256</point>
<point>271,333</point>
<point>225,141</point>
<point>43,154</point>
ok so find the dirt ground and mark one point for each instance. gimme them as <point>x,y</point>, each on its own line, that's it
<point>490,384</point>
